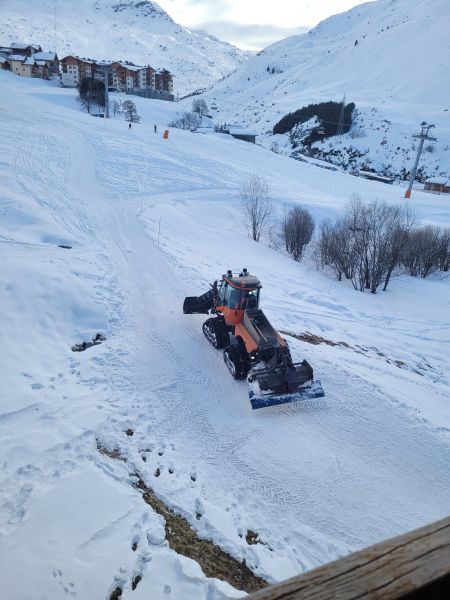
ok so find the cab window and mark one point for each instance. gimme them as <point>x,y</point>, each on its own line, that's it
<point>231,296</point>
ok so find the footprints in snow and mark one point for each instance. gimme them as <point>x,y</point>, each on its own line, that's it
<point>68,588</point>
<point>145,534</point>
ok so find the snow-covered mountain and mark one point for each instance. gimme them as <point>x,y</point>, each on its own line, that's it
<point>390,57</point>
<point>138,31</point>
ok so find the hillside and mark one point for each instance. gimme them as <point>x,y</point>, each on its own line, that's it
<point>141,32</point>
<point>388,57</point>
<point>107,230</point>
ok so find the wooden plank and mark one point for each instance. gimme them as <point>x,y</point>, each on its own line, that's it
<point>388,570</point>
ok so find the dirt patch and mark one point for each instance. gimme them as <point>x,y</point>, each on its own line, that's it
<point>115,453</point>
<point>116,594</point>
<point>312,338</point>
<point>372,351</point>
<point>213,561</point>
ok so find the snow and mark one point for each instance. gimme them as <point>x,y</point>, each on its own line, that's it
<point>126,30</point>
<point>395,75</point>
<point>150,221</point>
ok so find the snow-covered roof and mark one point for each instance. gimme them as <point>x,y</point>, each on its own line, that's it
<point>3,59</point>
<point>438,180</point>
<point>241,131</point>
<point>28,61</point>
<point>371,174</point>
<point>45,56</point>
<point>17,57</point>
<point>22,46</point>
<point>130,67</point>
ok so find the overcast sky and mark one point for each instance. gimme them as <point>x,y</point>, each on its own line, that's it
<point>253,24</point>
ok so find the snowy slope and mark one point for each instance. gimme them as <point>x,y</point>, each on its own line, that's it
<point>150,221</point>
<point>141,32</point>
<point>395,74</point>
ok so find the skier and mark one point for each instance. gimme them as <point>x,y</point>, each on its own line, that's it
<point>156,128</point>
<point>129,126</point>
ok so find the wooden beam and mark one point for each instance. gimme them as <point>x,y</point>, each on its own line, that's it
<point>413,565</point>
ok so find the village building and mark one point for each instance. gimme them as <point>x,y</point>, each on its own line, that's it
<point>239,133</point>
<point>74,69</point>
<point>49,60</point>
<point>23,49</point>
<point>5,65</point>
<point>375,177</point>
<point>438,185</point>
<point>164,81</point>
<point>17,65</point>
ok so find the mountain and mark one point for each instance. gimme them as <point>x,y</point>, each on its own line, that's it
<point>390,57</point>
<point>141,32</point>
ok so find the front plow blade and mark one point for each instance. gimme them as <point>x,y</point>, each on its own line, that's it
<point>264,399</point>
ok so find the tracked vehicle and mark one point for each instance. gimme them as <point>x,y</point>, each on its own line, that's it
<point>252,348</point>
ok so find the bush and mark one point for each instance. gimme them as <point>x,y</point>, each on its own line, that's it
<point>427,251</point>
<point>297,229</point>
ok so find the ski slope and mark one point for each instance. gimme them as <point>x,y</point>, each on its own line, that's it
<point>151,221</point>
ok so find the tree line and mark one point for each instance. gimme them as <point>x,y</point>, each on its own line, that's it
<point>327,112</point>
<point>368,244</point>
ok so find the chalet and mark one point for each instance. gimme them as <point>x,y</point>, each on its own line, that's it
<point>438,185</point>
<point>49,60</point>
<point>239,133</point>
<point>17,65</point>
<point>23,49</point>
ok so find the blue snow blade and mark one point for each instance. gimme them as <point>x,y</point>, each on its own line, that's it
<point>265,400</point>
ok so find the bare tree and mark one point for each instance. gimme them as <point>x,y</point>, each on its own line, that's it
<point>297,229</point>
<point>366,244</point>
<point>199,106</point>
<point>117,107</point>
<point>257,204</point>
<point>187,120</point>
<point>130,111</point>
<point>91,93</point>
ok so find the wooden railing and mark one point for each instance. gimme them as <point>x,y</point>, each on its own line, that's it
<point>413,566</point>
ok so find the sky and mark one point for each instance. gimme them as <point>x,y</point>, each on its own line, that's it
<point>253,24</point>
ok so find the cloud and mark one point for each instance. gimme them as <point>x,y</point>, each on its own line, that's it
<point>248,36</point>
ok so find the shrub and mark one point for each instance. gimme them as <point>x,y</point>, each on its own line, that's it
<point>427,251</point>
<point>297,229</point>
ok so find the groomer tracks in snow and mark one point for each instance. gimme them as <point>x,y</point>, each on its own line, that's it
<point>313,480</point>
